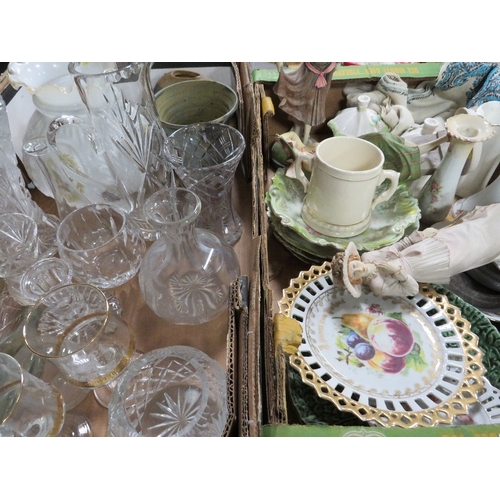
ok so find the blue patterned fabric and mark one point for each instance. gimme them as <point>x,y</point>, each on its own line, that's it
<point>489,91</point>
<point>458,74</point>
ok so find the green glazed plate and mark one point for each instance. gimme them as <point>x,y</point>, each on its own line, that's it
<point>391,220</point>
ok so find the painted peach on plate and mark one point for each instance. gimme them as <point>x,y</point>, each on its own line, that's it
<point>387,363</point>
<point>390,336</point>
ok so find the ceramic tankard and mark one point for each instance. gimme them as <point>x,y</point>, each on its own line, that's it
<point>340,195</point>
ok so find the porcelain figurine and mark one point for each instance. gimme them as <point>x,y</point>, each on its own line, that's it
<point>296,151</point>
<point>429,256</point>
<point>303,93</point>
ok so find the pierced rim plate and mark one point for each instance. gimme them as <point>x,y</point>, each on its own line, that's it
<point>486,410</point>
<point>390,221</point>
<point>426,367</point>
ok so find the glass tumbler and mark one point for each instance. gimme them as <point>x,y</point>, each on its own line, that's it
<point>205,157</point>
<point>175,391</point>
<point>28,281</point>
<point>29,407</point>
<point>74,327</point>
<point>100,245</point>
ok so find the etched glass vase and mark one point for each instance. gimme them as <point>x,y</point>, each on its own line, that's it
<point>186,274</point>
<point>205,157</point>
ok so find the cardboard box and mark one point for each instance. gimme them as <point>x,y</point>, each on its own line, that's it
<point>230,338</point>
<point>279,266</point>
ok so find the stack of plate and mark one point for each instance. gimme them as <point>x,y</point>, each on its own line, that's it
<point>390,221</point>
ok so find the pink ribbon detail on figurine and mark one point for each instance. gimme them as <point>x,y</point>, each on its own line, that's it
<point>321,80</point>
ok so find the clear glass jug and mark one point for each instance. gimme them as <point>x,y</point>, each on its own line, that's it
<point>124,150</point>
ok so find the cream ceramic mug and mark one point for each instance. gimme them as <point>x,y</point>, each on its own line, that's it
<point>340,195</point>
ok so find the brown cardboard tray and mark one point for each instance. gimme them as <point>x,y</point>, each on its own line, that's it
<point>279,267</point>
<point>230,338</point>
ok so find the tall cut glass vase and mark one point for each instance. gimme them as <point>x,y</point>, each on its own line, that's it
<point>205,157</point>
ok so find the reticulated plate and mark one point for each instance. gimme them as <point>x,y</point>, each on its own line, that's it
<point>390,221</point>
<point>486,410</point>
<point>393,361</point>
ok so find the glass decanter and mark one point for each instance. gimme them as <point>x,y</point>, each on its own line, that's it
<point>186,274</point>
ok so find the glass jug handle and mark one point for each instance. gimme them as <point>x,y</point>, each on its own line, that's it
<point>64,120</point>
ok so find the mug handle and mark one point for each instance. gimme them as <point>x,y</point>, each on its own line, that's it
<point>303,161</point>
<point>393,176</point>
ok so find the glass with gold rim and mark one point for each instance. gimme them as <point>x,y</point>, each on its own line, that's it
<point>29,407</point>
<point>74,327</point>
<point>392,361</point>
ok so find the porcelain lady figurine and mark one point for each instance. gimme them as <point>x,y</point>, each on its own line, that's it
<point>436,197</point>
<point>303,93</point>
<point>429,256</point>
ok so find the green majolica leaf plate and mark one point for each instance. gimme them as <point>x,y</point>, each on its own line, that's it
<point>391,220</point>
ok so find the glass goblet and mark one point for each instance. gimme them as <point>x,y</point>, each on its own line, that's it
<point>29,407</point>
<point>75,328</point>
<point>101,245</point>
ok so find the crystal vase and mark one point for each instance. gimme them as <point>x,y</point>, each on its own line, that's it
<point>205,157</point>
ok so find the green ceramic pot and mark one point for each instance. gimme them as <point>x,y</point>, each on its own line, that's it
<point>195,101</point>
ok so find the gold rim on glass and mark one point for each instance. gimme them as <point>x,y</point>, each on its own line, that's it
<point>106,311</point>
<point>105,314</point>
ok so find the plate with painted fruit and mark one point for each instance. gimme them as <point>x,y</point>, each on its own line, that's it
<point>392,361</point>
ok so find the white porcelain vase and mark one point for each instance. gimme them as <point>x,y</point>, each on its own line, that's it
<point>437,196</point>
